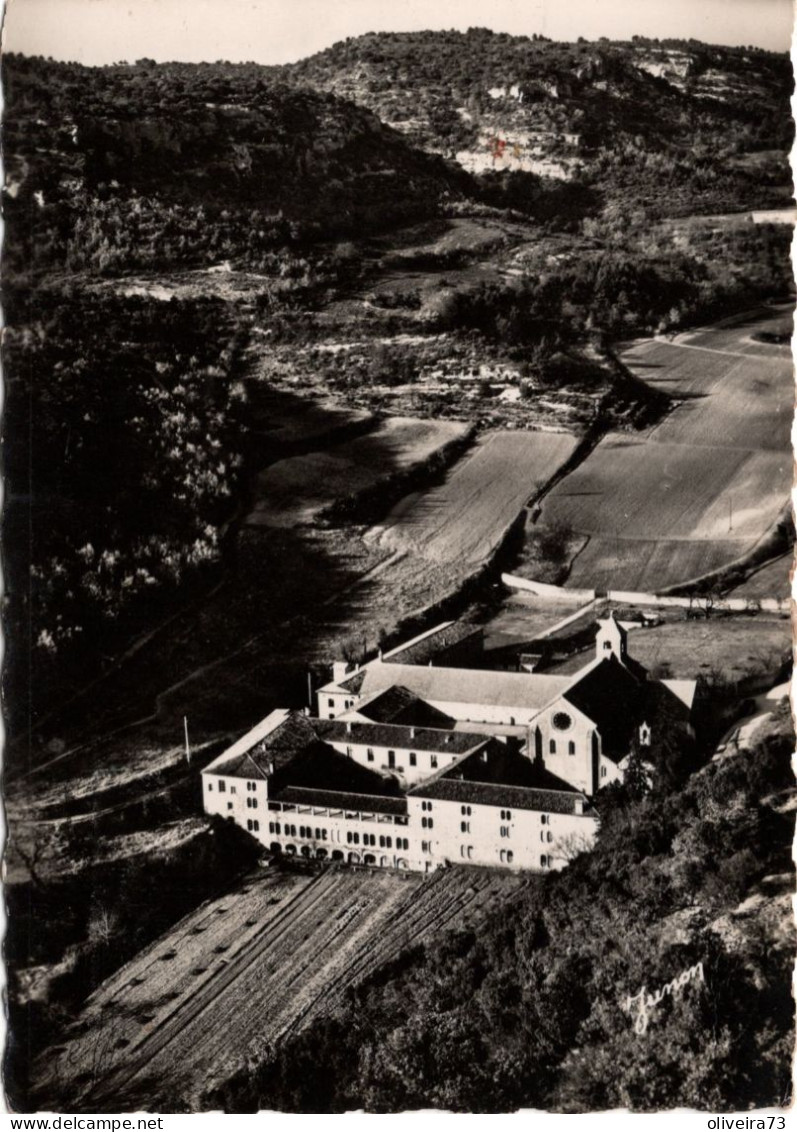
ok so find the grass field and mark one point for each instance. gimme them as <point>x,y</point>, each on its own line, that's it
<point>465,518</point>
<point>243,971</point>
<point>295,490</point>
<point>701,488</point>
<point>737,647</point>
<point>772,580</point>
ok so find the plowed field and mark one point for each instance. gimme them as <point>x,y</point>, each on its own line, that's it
<point>242,971</point>
<point>465,518</point>
<point>704,486</point>
<point>296,489</point>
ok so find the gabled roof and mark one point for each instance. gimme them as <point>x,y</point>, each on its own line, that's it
<point>392,735</point>
<point>499,776</point>
<point>269,744</point>
<point>400,705</point>
<point>351,683</point>
<point>321,767</point>
<point>617,702</point>
<point>467,685</point>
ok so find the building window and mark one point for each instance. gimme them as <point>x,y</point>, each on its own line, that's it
<point>464,826</point>
<point>571,748</point>
<point>426,805</point>
<point>603,772</point>
<point>510,856</point>
<point>552,746</point>
<point>356,839</point>
<point>233,790</point>
<point>370,754</point>
<point>277,827</point>
<point>229,805</point>
<point>506,815</point>
<point>348,751</point>
<point>330,703</point>
<point>391,758</point>
<point>210,786</point>
<point>544,819</point>
<point>505,831</point>
<point>470,852</point>
<point>427,823</point>
<point>249,824</point>
<point>543,861</point>
<point>433,763</point>
<point>222,785</point>
<point>466,810</point>
<point>549,836</point>
<point>256,825</point>
<point>607,646</point>
<point>425,847</point>
<point>413,759</point>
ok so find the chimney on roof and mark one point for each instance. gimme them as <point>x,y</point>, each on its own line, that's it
<point>271,768</point>
<point>348,727</point>
<point>412,733</point>
<point>485,755</point>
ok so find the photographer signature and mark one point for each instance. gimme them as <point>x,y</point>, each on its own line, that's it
<point>643,1002</point>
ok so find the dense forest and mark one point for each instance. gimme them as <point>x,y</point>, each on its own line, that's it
<point>133,422</point>
<point>532,1010</point>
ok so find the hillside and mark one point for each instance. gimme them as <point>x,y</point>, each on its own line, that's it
<point>532,1010</point>
<point>682,125</point>
<point>126,166</point>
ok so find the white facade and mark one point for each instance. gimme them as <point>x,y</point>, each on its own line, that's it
<point>433,833</point>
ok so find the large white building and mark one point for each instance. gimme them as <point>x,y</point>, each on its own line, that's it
<point>413,764</point>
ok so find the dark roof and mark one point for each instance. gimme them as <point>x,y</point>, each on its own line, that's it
<point>339,800</point>
<point>490,794</point>
<point>354,682</point>
<point>399,705</point>
<point>501,776</point>
<point>252,756</point>
<point>618,702</point>
<point>321,767</point>
<point>392,735</point>
<point>432,644</point>
<point>614,700</point>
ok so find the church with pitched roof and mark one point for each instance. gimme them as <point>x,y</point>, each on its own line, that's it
<point>413,763</point>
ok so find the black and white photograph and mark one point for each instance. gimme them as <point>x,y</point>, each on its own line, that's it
<point>397,553</point>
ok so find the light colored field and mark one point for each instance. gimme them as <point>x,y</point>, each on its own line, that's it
<point>297,489</point>
<point>736,646</point>
<point>465,518</point>
<point>244,970</point>
<point>700,489</point>
<point>771,580</point>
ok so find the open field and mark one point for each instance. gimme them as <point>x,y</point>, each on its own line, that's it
<point>245,969</point>
<point>465,518</point>
<point>295,490</point>
<point>737,647</point>
<point>704,486</point>
<point>772,580</point>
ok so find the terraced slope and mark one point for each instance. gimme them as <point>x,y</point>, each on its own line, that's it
<point>242,971</point>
